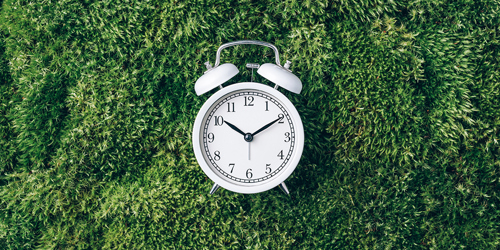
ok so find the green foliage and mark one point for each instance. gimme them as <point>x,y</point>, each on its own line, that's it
<point>6,91</point>
<point>400,107</point>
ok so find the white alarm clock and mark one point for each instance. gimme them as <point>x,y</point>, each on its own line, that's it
<point>248,137</point>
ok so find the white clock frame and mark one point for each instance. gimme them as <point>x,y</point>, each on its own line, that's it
<point>292,162</point>
<point>283,77</point>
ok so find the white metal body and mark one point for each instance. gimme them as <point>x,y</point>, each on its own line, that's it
<point>281,77</point>
<point>238,165</point>
<point>215,77</point>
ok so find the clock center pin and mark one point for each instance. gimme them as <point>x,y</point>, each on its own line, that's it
<point>248,137</point>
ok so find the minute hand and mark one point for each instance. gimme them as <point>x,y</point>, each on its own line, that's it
<point>266,126</point>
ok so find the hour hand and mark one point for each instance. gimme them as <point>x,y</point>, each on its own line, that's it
<point>235,128</point>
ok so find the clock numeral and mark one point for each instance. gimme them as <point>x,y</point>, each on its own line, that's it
<point>287,137</point>
<point>249,99</point>
<point>249,173</point>
<point>268,169</point>
<point>230,107</point>
<point>280,155</point>
<point>281,116</point>
<point>211,137</point>
<point>219,120</point>
<point>231,165</point>
<point>267,106</point>
<point>217,155</point>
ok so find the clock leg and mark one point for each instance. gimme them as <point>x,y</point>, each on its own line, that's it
<point>284,188</point>
<point>214,188</point>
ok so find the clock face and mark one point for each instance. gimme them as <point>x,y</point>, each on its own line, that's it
<point>248,137</point>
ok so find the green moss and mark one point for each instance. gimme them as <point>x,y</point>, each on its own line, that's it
<point>400,109</point>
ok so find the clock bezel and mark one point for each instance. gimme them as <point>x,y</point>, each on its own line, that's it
<point>228,174</point>
<point>288,168</point>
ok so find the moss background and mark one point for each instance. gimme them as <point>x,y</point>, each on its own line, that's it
<point>401,109</point>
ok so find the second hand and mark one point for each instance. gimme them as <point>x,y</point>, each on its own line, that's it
<point>248,150</point>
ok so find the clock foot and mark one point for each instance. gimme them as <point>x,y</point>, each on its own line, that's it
<point>284,188</point>
<point>214,188</point>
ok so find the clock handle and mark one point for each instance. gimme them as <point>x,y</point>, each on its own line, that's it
<point>254,42</point>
